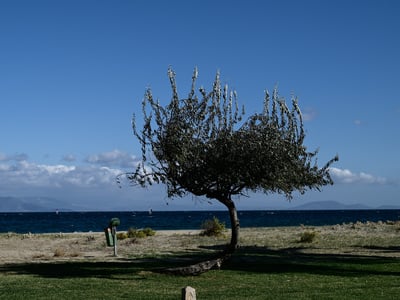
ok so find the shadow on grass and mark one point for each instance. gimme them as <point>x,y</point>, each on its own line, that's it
<point>293,260</point>
<point>77,269</point>
<point>388,249</point>
<point>123,269</point>
<point>246,259</point>
<point>71,269</point>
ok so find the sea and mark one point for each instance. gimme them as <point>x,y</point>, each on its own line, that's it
<point>67,222</point>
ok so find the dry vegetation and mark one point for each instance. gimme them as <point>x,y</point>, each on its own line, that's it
<point>377,239</point>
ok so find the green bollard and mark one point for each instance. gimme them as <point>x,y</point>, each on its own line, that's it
<point>114,222</point>
<point>109,237</point>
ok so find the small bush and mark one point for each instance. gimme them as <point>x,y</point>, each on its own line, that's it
<point>148,231</point>
<point>122,235</point>
<point>212,227</point>
<point>134,233</point>
<point>140,234</point>
<point>59,252</point>
<point>308,236</point>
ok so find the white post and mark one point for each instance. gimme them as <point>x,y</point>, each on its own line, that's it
<point>188,293</point>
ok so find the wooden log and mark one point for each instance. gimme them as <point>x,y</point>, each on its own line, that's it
<point>195,269</point>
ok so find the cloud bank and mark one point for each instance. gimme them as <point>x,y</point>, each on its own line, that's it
<point>347,176</point>
<point>101,170</point>
<point>96,170</point>
<point>90,183</point>
<point>113,158</point>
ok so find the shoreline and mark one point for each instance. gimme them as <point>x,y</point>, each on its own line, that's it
<point>198,231</point>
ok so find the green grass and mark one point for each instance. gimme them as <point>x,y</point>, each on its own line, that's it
<point>253,273</point>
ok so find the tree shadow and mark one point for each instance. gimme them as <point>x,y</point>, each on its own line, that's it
<point>120,269</point>
<point>294,260</point>
<point>246,259</point>
<point>77,269</point>
<point>388,249</point>
<point>70,269</point>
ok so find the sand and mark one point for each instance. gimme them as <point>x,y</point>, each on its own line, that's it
<point>378,239</point>
<point>26,248</point>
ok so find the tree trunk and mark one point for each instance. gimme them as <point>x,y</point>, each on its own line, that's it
<point>235,225</point>
<point>204,266</point>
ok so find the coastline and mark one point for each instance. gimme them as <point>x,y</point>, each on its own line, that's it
<point>170,220</point>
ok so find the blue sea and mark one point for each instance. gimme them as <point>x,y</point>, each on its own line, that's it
<point>166,220</point>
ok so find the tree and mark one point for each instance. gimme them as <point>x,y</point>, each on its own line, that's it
<point>201,145</point>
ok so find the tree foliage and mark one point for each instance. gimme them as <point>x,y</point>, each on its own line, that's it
<point>202,145</point>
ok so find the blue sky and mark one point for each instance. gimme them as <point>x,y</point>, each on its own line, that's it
<point>72,73</point>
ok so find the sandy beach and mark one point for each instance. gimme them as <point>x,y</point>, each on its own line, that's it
<point>378,239</point>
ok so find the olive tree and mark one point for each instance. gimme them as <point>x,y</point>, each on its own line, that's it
<point>204,145</point>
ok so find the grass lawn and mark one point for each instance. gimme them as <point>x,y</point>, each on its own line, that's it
<point>253,273</point>
<point>343,263</point>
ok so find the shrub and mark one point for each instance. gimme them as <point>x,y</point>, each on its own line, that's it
<point>148,231</point>
<point>308,236</point>
<point>140,234</point>
<point>134,233</point>
<point>59,252</point>
<point>122,235</point>
<point>212,227</point>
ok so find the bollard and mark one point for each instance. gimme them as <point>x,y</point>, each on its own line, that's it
<point>111,234</point>
<point>109,237</point>
<point>114,234</point>
<point>188,293</point>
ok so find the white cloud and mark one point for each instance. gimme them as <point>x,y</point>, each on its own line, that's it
<point>113,158</point>
<point>346,176</point>
<point>102,169</point>
<point>95,179</point>
<point>22,174</point>
<point>82,186</point>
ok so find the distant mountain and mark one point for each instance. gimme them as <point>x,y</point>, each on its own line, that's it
<point>330,205</point>
<point>389,207</point>
<point>29,204</point>
<point>47,204</point>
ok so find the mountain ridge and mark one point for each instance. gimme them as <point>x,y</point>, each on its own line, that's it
<point>31,204</point>
<point>48,204</point>
<point>331,205</point>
